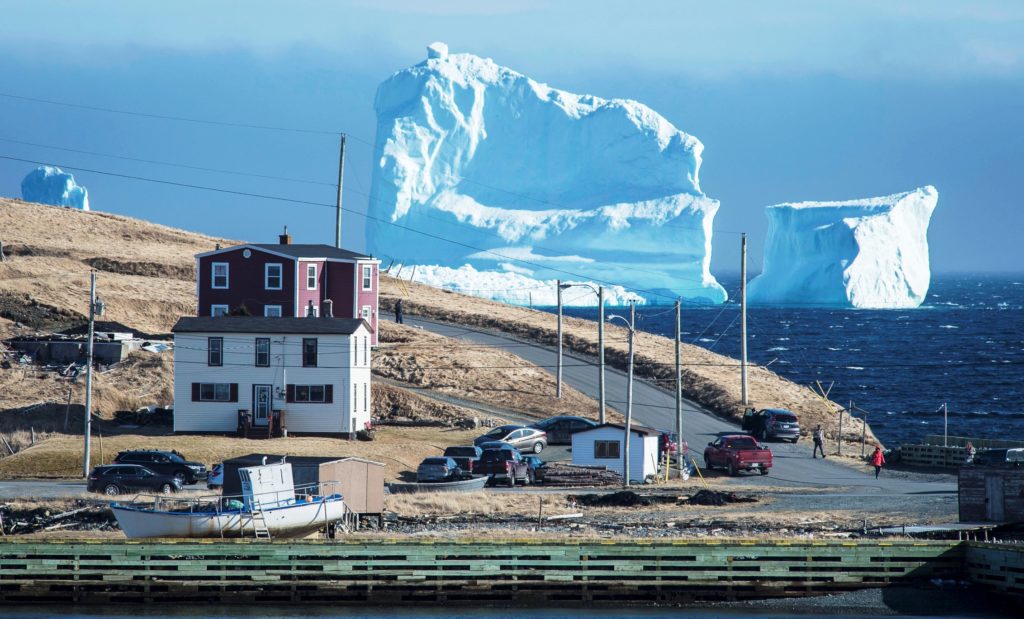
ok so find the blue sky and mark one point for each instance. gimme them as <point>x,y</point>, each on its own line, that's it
<point>793,100</point>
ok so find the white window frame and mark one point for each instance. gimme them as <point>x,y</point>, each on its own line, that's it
<point>311,278</point>
<point>309,399</point>
<point>219,306</point>
<point>266,276</point>
<point>213,275</point>
<point>267,308</point>
<point>367,313</point>
<point>366,351</point>
<point>312,310</point>
<point>221,392</point>
<point>366,396</point>
<point>367,277</point>
<point>355,342</point>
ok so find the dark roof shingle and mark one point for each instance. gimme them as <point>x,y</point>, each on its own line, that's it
<point>260,324</point>
<point>312,251</point>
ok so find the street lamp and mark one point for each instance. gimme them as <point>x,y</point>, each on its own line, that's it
<point>631,325</point>
<point>599,291</point>
<point>96,308</point>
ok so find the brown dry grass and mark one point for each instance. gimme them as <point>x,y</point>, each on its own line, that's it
<point>49,249</point>
<point>482,374</point>
<point>401,449</point>
<point>709,379</point>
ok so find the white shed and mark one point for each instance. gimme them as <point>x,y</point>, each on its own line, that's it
<point>602,445</point>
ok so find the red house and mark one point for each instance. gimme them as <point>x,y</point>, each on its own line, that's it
<point>288,280</point>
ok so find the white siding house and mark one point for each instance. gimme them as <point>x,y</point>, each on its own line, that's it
<point>315,370</point>
<point>602,446</point>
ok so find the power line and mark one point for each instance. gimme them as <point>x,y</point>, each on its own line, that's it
<point>222,123</point>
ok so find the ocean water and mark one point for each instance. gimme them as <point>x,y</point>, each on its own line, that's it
<point>963,347</point>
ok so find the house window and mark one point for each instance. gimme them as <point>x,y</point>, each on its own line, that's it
<point>311,311</point>
<point>366,395</point>
<point>309,352</point>
<point>366,313</point>
<point>355,397</point>
<point>315,394</point>
<point>220,275</point>
<point>366,350</point>
<point>367,277</point>
<point>215,392</point>
<point>263,352</point>
<point>219,310</point>
<point>215,351</point>
<point>272,276</point>
<point>355,342</point>
<point>606,450</point>
<point>272,311</point>
<point>310,277</point>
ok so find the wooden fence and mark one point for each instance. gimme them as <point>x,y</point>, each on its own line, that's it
<point>997,566</point>
<point>408,572</point>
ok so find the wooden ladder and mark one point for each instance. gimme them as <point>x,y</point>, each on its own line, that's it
<point>259,524</point>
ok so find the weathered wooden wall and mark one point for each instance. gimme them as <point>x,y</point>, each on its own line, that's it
<point>999,567</point>
<point>408,572</point>
<point>973,496</point>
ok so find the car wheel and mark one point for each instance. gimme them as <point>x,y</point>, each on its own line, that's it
<point>732,470</point>
<point>531,478</point>
<point>795,440</point>
<point>511,479</point>
<point>111,490</point>
<point>764,471</point>
<point>707,463</point>
<point>166,489</point>
<point>538,447</point>
<point>180,476</point>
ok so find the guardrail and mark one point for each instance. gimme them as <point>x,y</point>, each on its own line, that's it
<point>409,572</point>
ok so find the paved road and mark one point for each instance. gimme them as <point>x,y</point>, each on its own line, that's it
<point>55,489</point>
<point>655,407</point>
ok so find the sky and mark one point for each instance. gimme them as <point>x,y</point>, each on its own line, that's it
<point>793,100</point>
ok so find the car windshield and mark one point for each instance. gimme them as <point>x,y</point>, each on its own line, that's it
<point>786,418</point>
<point>499,432</point>
<point>497,454</point>
<point>742,443</point>
<point>436,461</point>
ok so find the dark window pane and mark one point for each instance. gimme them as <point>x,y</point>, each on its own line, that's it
<point>309,352</point>
<point>316,393</point>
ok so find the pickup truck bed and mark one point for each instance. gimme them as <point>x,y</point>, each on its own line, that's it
<point>736,453</point>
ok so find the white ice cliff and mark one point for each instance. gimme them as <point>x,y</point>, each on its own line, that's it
<point>535,181</point>
<point>869,253</point>
<point>49,185</point>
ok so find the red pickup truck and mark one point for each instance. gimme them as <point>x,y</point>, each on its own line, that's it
<point>738,452</point>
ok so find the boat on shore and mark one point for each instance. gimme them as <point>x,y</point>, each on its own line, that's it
<point>465,485</point>
<point>270,506</point>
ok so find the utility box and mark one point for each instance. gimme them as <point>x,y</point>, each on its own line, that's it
<point>991,494</point>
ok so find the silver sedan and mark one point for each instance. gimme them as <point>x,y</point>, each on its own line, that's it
<point>522,438</point>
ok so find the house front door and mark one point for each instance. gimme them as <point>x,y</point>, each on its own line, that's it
<point>261,404</point>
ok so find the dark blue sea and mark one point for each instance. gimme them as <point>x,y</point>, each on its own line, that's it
<point>964,347</point>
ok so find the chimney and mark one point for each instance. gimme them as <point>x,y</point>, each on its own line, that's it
<point>328,308</point>
<point>284,239</point>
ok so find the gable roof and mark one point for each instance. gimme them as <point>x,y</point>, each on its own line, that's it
<point>633,428</point>
<point>261,324</point>
<point>299,250</point>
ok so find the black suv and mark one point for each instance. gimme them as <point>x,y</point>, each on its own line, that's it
<point>165,462</point>
<point>114,479</point>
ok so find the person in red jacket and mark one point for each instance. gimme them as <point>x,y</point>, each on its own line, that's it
<point>877,460</point>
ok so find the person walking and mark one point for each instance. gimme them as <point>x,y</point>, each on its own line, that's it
<point>819,442</point>
<point>877,460</point>
<point>399,317</point>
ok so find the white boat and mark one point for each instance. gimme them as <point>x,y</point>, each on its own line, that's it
<point>270,506</point>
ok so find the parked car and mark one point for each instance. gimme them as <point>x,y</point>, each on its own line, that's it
<point>438,468</point>
<point>465,456</point>
<point>668,441</point>
<point>520,437</point>
<point>771,423</point>
<point>538,468</point>
<point>114,479</point>
<point>507,464</point>
<point>215,479</point>
<point>561,428</point>
<point>738,452</point>
<point>1000,457</point>
<point>166,463</point>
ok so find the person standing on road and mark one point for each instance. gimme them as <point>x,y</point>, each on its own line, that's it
<point>819,442</point>
<point>399,317</point>
<point>877,460</point>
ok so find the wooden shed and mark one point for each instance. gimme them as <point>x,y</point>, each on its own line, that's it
<point>991,494</point>
<point>360,481</point>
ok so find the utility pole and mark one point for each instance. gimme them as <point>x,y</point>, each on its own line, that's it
<point>600,353</point>
<point>629,391</point>
<point>95,307</point>
<point>743,319</point>
<point>558,374</point>
<point>341,179</point>
<point>679,390</point>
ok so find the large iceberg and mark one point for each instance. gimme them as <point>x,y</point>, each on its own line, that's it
<point>50,185</point>
<point>528,179</point>
<point>869,253</point>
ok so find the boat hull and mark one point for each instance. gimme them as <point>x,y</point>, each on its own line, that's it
<point>295,520</point>
<point>466,485</point>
